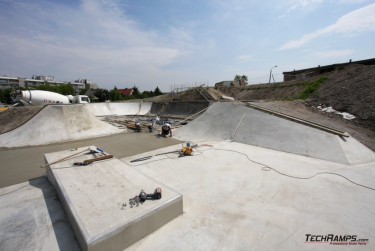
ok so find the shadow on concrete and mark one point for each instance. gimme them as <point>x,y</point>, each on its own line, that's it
<point>60,224</point>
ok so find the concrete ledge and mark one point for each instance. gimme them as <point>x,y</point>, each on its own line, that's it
<point>93,197</point>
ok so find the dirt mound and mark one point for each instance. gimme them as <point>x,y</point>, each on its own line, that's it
<point>193,94</point>
<point>352,90</point>
<point>17,116</point>
<point>287,90</point>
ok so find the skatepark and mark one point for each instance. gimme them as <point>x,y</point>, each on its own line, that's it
<point>255,180</point>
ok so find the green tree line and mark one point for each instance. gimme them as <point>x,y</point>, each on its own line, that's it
<point>114,95</point>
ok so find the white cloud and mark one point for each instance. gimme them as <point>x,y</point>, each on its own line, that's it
<point>297,5</point>
<point>357,21</point>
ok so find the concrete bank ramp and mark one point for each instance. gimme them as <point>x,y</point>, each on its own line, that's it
<point>258,128</point>
<point>61,123</point>
<point>58,123</point>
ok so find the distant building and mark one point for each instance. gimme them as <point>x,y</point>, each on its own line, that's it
<point>310,72</point>
<point>230,83</point>
<point>35,81</point>
<point>9,82</point>
<point>44,78</point>
<point>81,84</point>
<point>126,91</point>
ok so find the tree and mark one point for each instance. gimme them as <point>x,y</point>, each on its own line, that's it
<point>64,89</point>
<point>114,94</point>
<point>102,94</point>
<point>83,91</point>
<point>5,96</point>
<point>136,92</point>
<point>157,91</point>
<point>241,78</point>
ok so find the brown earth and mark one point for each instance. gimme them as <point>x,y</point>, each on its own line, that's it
<point>351,90</point>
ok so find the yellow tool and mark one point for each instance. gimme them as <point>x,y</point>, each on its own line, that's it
<point>186,150</point>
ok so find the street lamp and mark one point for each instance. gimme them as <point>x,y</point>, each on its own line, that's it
<point>269,81</point>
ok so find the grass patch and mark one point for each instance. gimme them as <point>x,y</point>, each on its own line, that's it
<point>311,88</point>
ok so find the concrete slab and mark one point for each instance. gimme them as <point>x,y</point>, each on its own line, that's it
<point>233,201</point>
<point>257,128</point>
<point>93,198</point>
<point>31,218</point>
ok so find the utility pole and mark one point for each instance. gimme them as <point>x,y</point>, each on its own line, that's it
<point>269,81</point>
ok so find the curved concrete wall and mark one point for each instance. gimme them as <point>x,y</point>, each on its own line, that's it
<point>123,108</point>
<point>178,108</point>
<point>220,121</point>
<point>59,123</point>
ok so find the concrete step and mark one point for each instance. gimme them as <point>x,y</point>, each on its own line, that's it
<point>96,199</point>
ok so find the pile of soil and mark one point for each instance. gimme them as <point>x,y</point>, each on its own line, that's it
<point>275,91</point>
<point>352,90</point>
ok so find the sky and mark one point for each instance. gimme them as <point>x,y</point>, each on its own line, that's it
<point>175,43</point>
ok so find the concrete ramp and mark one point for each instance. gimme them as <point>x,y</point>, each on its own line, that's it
<point>58,123</point>
<point>257,128</point>
<point>123,108</point>
<point>61,123</point>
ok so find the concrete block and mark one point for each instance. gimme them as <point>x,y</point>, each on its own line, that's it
<point>94,196</point>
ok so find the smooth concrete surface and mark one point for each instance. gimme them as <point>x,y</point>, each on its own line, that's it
<point>31,218</point>
<point>58,123</point>
<point>257,128</point>
<point>233,202</point>
<point>93,198</point>
<point>122,108</point>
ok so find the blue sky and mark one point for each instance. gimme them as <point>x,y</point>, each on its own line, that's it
<point>168,43</point>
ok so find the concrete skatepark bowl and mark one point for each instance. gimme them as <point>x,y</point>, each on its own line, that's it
<point>255,181</point>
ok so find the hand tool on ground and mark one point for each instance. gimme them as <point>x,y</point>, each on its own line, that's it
<point>67,157</point>
<point>93,152</point>
<point>155,196</point>
<point>235,131</point>
<point>89,161</point>
<point>149,157</point>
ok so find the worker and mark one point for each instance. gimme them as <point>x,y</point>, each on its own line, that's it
<point>186,150</point>
<point>166,129</point>
<point>138,126</point>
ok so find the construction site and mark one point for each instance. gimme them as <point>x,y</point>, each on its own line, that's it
<point>235,171</point>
